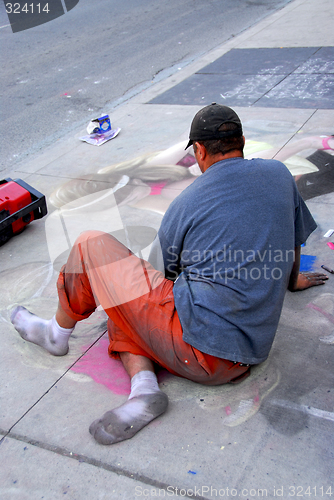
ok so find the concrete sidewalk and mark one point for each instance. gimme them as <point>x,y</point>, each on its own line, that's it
<point>272,435</point>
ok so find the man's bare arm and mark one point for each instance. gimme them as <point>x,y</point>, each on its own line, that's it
<point>301,281</point>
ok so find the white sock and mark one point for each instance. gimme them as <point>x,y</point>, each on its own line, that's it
<point>144,382</point>
<point>145,403</point>
<point>45,333</point>
<point>60,334</point>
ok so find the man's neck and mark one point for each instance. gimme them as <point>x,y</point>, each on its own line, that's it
<point>211,160</point>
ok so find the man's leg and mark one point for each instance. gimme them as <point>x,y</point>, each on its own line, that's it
<point>96,259</point>
<point>100,270</point>
<point>51,334</point>
<point>145,403</point>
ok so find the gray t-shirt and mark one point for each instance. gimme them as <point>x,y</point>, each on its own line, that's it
<point>229,239</point>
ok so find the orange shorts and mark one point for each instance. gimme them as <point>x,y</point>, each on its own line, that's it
<point>140,304</point>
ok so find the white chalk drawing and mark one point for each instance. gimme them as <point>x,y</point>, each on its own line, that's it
<point>147,183</point>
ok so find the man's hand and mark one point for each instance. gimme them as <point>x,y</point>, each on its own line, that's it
<point>301,281</point>
<point>306,280</point>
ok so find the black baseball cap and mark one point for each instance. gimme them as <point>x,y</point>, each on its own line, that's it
<point>206,123</point>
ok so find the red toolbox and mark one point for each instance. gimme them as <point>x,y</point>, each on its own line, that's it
<point>19,205</point>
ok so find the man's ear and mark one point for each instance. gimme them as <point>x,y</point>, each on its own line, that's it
<point>201,151</point>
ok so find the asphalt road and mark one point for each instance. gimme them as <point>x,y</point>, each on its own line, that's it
<point>57,76</point>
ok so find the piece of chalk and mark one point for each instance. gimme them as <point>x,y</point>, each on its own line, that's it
<point>327,269</point>
<point>329,233</point>
<point>331,245</point>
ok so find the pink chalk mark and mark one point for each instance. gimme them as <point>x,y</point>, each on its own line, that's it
<point>156,187</point>
<point>103,369</point>
<point>331,245</point>
<point>108,371</point>
<point>187,161</point>
<point>257,399</point>
<point>327,315</point>
<point>228,410</point>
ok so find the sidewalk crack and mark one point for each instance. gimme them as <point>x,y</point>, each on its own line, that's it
<point>8,433</point>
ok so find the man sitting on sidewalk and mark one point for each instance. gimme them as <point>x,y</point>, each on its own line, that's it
<point>230,248</point>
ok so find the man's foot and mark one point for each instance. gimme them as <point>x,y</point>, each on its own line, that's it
<point>126,420</point>
<point>45,333</point>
